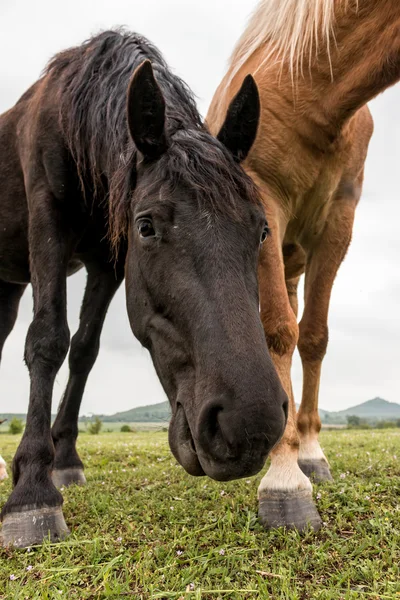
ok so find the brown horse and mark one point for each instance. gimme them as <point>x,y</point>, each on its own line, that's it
<point>110,134</point>
<point>316,63</point>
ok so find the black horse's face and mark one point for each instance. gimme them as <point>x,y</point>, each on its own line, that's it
<point>192,297</point>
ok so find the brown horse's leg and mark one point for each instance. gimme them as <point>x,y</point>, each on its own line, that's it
<point>291,286</point>
<point>33,510</point>
<point>285,493</point>
<point>102,283</point>
<point>322,266</point>
<point>10,295</point>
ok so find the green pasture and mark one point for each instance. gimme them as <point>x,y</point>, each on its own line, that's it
<point>144,529</point>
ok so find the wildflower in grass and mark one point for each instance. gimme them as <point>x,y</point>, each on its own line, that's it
<point>119,539</point>
<point>342,475</point>
<point>29,549</point>
<point>12,576</point>
<point>222,493</point>
<point>191,586</point>
<point>319,495</point>
<point>377,485</point>
<point>221,552</point>
<point>171,508</point>
<point>368,497</point>
<point>179,552</point>
<point>341,491</point>
<point>29,568</point>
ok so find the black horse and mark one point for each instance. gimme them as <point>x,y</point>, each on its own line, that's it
<point>105,162</point>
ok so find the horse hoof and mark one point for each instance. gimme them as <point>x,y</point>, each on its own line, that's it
<point>293,510</point>
<point>317,470</point>
<point>65,477</point>
<point>32,526</point>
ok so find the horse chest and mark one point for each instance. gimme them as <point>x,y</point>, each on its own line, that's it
<point>310,210</point>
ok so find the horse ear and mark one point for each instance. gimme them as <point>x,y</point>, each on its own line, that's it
<point>146,112</point>
<point>239,129</point>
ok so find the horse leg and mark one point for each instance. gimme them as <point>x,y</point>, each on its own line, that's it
<point>34,508</point>
<point>102,283</point>
<point>322,265</point>
<point>10,295</point>
<point>285,493</point>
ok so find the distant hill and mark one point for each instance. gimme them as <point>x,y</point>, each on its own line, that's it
<point>373,410</point>
<point>376,408</point>
<point>141,414</point>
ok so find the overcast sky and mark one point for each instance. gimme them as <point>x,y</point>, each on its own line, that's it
<point>196,38</point>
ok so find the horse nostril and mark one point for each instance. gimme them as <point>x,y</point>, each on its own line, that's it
<point>212,423</point>
<point>214,433</point>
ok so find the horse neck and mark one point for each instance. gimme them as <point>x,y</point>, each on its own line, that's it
<point>365,59</point>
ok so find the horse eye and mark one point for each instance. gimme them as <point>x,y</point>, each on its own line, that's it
<point>145,228</point>
<point>265,233</point>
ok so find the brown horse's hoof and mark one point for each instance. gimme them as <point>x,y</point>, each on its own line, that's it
<point>32,526</point>
<point>293,510</point>
<point>66,477</point>
<point>317,470</point>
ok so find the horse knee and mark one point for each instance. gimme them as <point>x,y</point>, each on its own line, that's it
<point>82,354</point>
<point>46,343</point>
<point>282,339</point>
<point>313,342</point>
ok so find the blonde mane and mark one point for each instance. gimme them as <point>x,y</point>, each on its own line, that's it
<point>293,29</point>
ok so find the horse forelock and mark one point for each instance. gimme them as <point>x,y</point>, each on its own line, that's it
<point>92,81</point>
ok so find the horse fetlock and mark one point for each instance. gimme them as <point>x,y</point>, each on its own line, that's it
<point>310,449</point>
<point>284,475</point>
<point>66,455</point>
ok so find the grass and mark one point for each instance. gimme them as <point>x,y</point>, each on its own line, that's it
<point>144,529</point>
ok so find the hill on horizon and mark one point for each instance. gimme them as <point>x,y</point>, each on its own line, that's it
<point>373,410</point>
<point>142,414</point>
